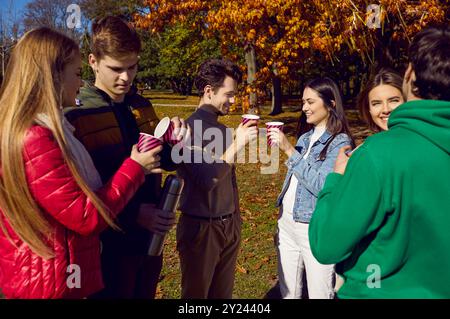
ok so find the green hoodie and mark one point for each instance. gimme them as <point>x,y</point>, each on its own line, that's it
<point>388,216</point>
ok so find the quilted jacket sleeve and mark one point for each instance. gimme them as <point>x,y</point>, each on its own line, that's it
<point>57,193</point>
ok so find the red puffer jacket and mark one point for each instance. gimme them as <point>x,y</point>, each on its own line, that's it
<point>74,220</point>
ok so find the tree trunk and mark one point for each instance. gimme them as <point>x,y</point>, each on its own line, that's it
<point>345,88</point>
<point>250,60</point>
<point>183,86</point>
<point>175,86</point>
<point>277,96</point>
<point>190,84</point>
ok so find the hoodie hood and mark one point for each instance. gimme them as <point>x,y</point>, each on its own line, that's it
<point>428,118</point>
<point>91,96</point>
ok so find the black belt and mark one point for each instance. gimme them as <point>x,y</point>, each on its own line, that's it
<point>223,217</point>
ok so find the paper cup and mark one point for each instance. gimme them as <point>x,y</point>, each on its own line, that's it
<point>165,131</point>
<point>270,125</point>
<point>249,117</point>
<point>148,142</point>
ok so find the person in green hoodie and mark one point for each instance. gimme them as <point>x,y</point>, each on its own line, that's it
<point>385,221</point>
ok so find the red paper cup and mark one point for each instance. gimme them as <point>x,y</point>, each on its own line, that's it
<point>148,142</point>
<point>249,117</point>
<point>270,125</point>
<point>165,131</point>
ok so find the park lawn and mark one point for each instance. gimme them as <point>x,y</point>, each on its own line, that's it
<point>167,97</point>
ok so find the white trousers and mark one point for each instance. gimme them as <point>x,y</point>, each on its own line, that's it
<point>295,258</point>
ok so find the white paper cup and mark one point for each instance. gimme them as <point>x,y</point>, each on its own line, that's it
<point>249,117</point>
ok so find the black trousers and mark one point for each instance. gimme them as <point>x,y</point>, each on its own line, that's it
<point>208,252</point>
<point>130,277</point>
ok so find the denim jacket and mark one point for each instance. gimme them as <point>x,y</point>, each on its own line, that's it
<point>310,172</point>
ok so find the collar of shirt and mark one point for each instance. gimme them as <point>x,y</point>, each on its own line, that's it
<point>322,139</point>
<point>208,113</point>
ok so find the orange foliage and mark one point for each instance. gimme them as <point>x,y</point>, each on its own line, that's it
<point>285,33</point>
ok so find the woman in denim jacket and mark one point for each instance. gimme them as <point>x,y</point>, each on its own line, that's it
<point>324,130</point>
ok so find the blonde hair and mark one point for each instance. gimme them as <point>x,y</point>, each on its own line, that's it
<point>33,85</point>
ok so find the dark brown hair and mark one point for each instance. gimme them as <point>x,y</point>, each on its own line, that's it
<point>384,76</point>
<point>429,54</point>
<point>213,72</point>
<point>114,37</point>
<point>329,92</point>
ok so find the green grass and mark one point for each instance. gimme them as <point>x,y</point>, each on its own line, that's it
<point>166,97</point>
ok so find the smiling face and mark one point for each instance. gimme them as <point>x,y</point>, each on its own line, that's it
<point>114,75</point>
<point>71,80</point>
<point>314,108</point>
<point>223,97</point>
<point>383,99</point>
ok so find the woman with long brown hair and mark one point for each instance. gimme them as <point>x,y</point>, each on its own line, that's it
<point>50,216</point>
<point>381,95</point>
<point>323,133</point>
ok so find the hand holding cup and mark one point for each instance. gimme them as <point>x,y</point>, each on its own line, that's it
<point>271,128</point>
<point>148,159</point>
<point>246,133</point>
<point>250,117</point>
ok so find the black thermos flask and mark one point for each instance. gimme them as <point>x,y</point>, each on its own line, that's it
<point>171,192</point>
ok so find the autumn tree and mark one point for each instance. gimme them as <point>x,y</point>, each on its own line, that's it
<point>278,37</point>
<point>236,23</point>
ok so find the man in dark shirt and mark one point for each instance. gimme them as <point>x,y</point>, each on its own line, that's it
<point>209,229</point>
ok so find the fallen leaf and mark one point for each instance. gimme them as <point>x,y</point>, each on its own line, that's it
<point>241,269</point>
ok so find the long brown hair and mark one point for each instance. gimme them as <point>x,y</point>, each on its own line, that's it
<point>337,123</point>
<point>33,85</point>
<point>384,76</point>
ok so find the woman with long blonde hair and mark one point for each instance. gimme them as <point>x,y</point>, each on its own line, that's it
<point>52,203</point>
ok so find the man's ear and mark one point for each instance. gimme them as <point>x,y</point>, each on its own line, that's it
<point>408,82</point>
<point>408,73</point>
<point>93,62</point>
<point>208,91</point>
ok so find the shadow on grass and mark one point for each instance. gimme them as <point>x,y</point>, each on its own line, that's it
<point>274,292</point>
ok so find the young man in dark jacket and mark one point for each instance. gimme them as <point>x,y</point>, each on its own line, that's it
<point>108,124</point>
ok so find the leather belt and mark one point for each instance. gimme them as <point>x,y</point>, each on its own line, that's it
<point>223,217</point>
